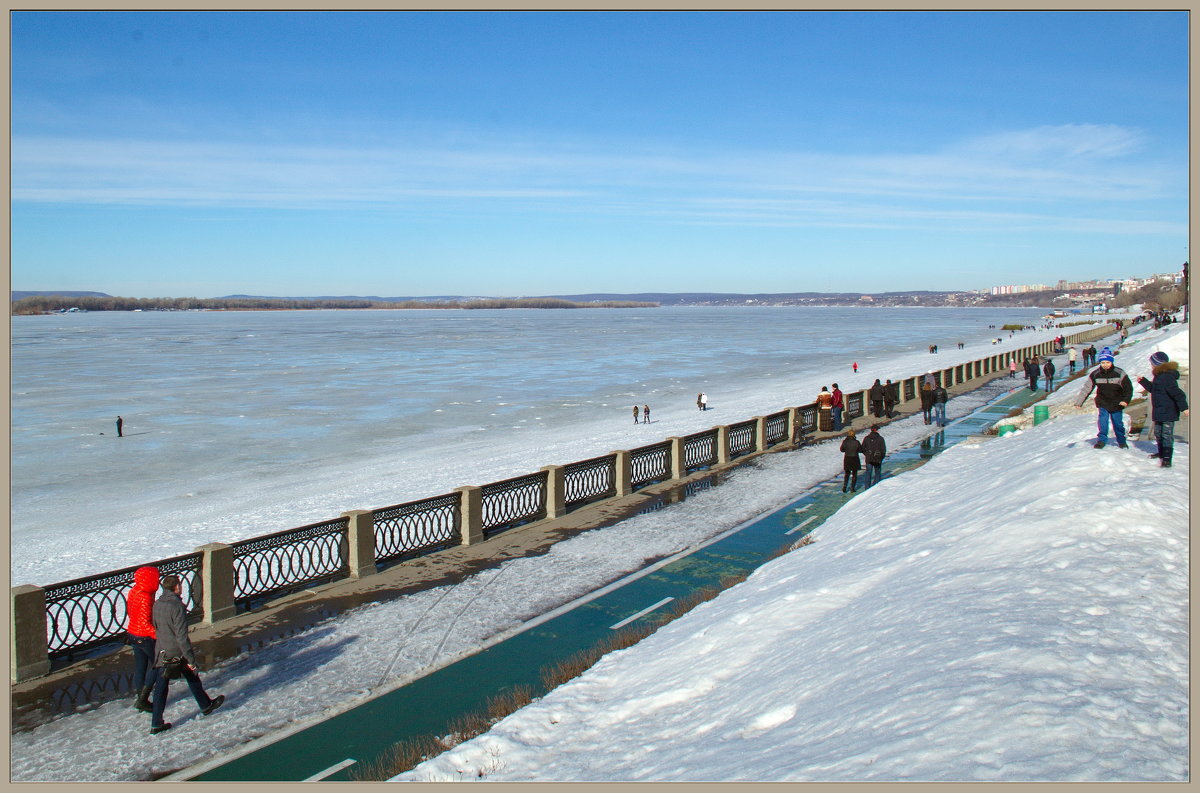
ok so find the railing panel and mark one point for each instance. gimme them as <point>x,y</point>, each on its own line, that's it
<point>854,405</point>
<point>741,438</point>
<point>589,480</point>
<point>649,465</point>
<point>291,559</point>
<point>777,428</point>
<point>512,502</point>
<point>910,389</point>
<point>88,612</point>
<point>808,418</point>
<point>700,450</point>
<point>417,527</point>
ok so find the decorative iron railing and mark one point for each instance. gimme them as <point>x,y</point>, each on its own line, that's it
<point>649,465</point>
<point>741,438</point>
<point>699,450</point>
<point>854,405</point>
<point>893,392</point>
<point>510,503</point>
<point>910,389</point>
<point>290,559</point>
<point>777,429</point>
<point>417,527</point>
<point>958,374</point>
<point>88,612</point>
<point>589,480</point>
<point>808,418</point>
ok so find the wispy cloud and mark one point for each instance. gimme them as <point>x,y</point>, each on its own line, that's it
<point>1015,179</point>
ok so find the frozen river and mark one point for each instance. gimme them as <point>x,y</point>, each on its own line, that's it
<point>243,423</point>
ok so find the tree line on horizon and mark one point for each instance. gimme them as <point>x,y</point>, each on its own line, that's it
<point>47,304</point>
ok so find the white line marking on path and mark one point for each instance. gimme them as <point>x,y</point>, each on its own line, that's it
<point>801,526</point>
<point>803,508</point>
<point>333,769</point>
<point>641,613</point>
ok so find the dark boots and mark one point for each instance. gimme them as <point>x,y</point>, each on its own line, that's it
<point>142,702</point>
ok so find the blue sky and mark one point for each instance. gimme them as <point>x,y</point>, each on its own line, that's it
<point>210,153</point>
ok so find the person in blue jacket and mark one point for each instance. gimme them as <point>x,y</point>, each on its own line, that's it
<point>1167,401</point>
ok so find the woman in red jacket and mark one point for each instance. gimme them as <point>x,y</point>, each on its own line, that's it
<point>138,606</point>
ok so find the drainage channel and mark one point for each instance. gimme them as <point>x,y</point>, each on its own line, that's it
<point>334,748</point>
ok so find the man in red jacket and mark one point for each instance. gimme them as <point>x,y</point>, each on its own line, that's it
<point>139,603</point>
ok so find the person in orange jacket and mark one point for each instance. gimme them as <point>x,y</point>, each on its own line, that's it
<point>139,604</point>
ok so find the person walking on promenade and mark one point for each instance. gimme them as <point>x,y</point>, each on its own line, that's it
<point>635,414</point>
<point>940,397</point>
<point>876,396</point>
<point>645,414</point>
<point>1071,355</point>
<point>1167,402</point>
<point>1048,369</point>
<point>927,401</point>
<point>1032,372</point>
<point>850,463</point>
<point>1113,392</point>
<point>120,427</point>
<point>889,398</point>
<point>825,410</point>
<point>139,627</point>
<point>173,651</point>
<point>874,449</point>
<point>836,406</point>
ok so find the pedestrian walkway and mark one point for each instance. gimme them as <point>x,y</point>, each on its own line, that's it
<point>334,748</point>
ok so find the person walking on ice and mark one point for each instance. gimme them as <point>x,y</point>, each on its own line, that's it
<point>120,426</point>
<point>1113,392</point>
<point>645,414</point>
<point>635,414</point>
<point>704,401</point>
<point>173,654</point>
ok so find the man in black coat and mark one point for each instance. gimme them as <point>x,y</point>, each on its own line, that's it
<point>1168,402</point>
<point>172,642</point>
<point>1048,369</point>
<point>874,450</point>
<point>876,396</point>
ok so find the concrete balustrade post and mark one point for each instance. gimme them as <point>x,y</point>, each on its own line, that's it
<point>623,473</point>
<point>760,433</point>
<point>678,466</point>
<point>472,514</point>
<point>216,582</point>
<point>556,504</point>
<point>360,536</point>
<point>27,647</point>
<point>722,444</point>
<point>793,423</point>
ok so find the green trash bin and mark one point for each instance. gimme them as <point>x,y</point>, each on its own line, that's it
<point>1007,429</point>
<point>1040,414</point>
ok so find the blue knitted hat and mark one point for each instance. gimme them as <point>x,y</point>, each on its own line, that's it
<point>1159,357</point>
<point>1105,355</point>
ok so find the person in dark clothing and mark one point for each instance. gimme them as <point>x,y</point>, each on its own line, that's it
<point>927,401</point>
<point>645,414</point>
<point>836,406</point>
<point>1167,402</point>
<point>850,463</point>
<point>874,449</point>
<point>170,625</point>
<point>120,426</point>
<point>889,399</point>
<point>940,398</point>
<point>635,414</point>
<point>1113,392</point>
<point>1048,370</point>
<point>139,626</point>
<point>876,396</point>
<point>1033,372</point>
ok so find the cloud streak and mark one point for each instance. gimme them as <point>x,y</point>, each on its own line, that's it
<point>1021,179</point>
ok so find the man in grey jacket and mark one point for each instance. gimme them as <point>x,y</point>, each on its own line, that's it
<point>170,626</point>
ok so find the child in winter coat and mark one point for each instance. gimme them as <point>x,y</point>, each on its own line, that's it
<point>1168,403</point>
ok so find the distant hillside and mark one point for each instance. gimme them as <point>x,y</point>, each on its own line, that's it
<point>57,293</point>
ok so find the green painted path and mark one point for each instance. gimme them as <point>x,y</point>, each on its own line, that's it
<point>333,748</point>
